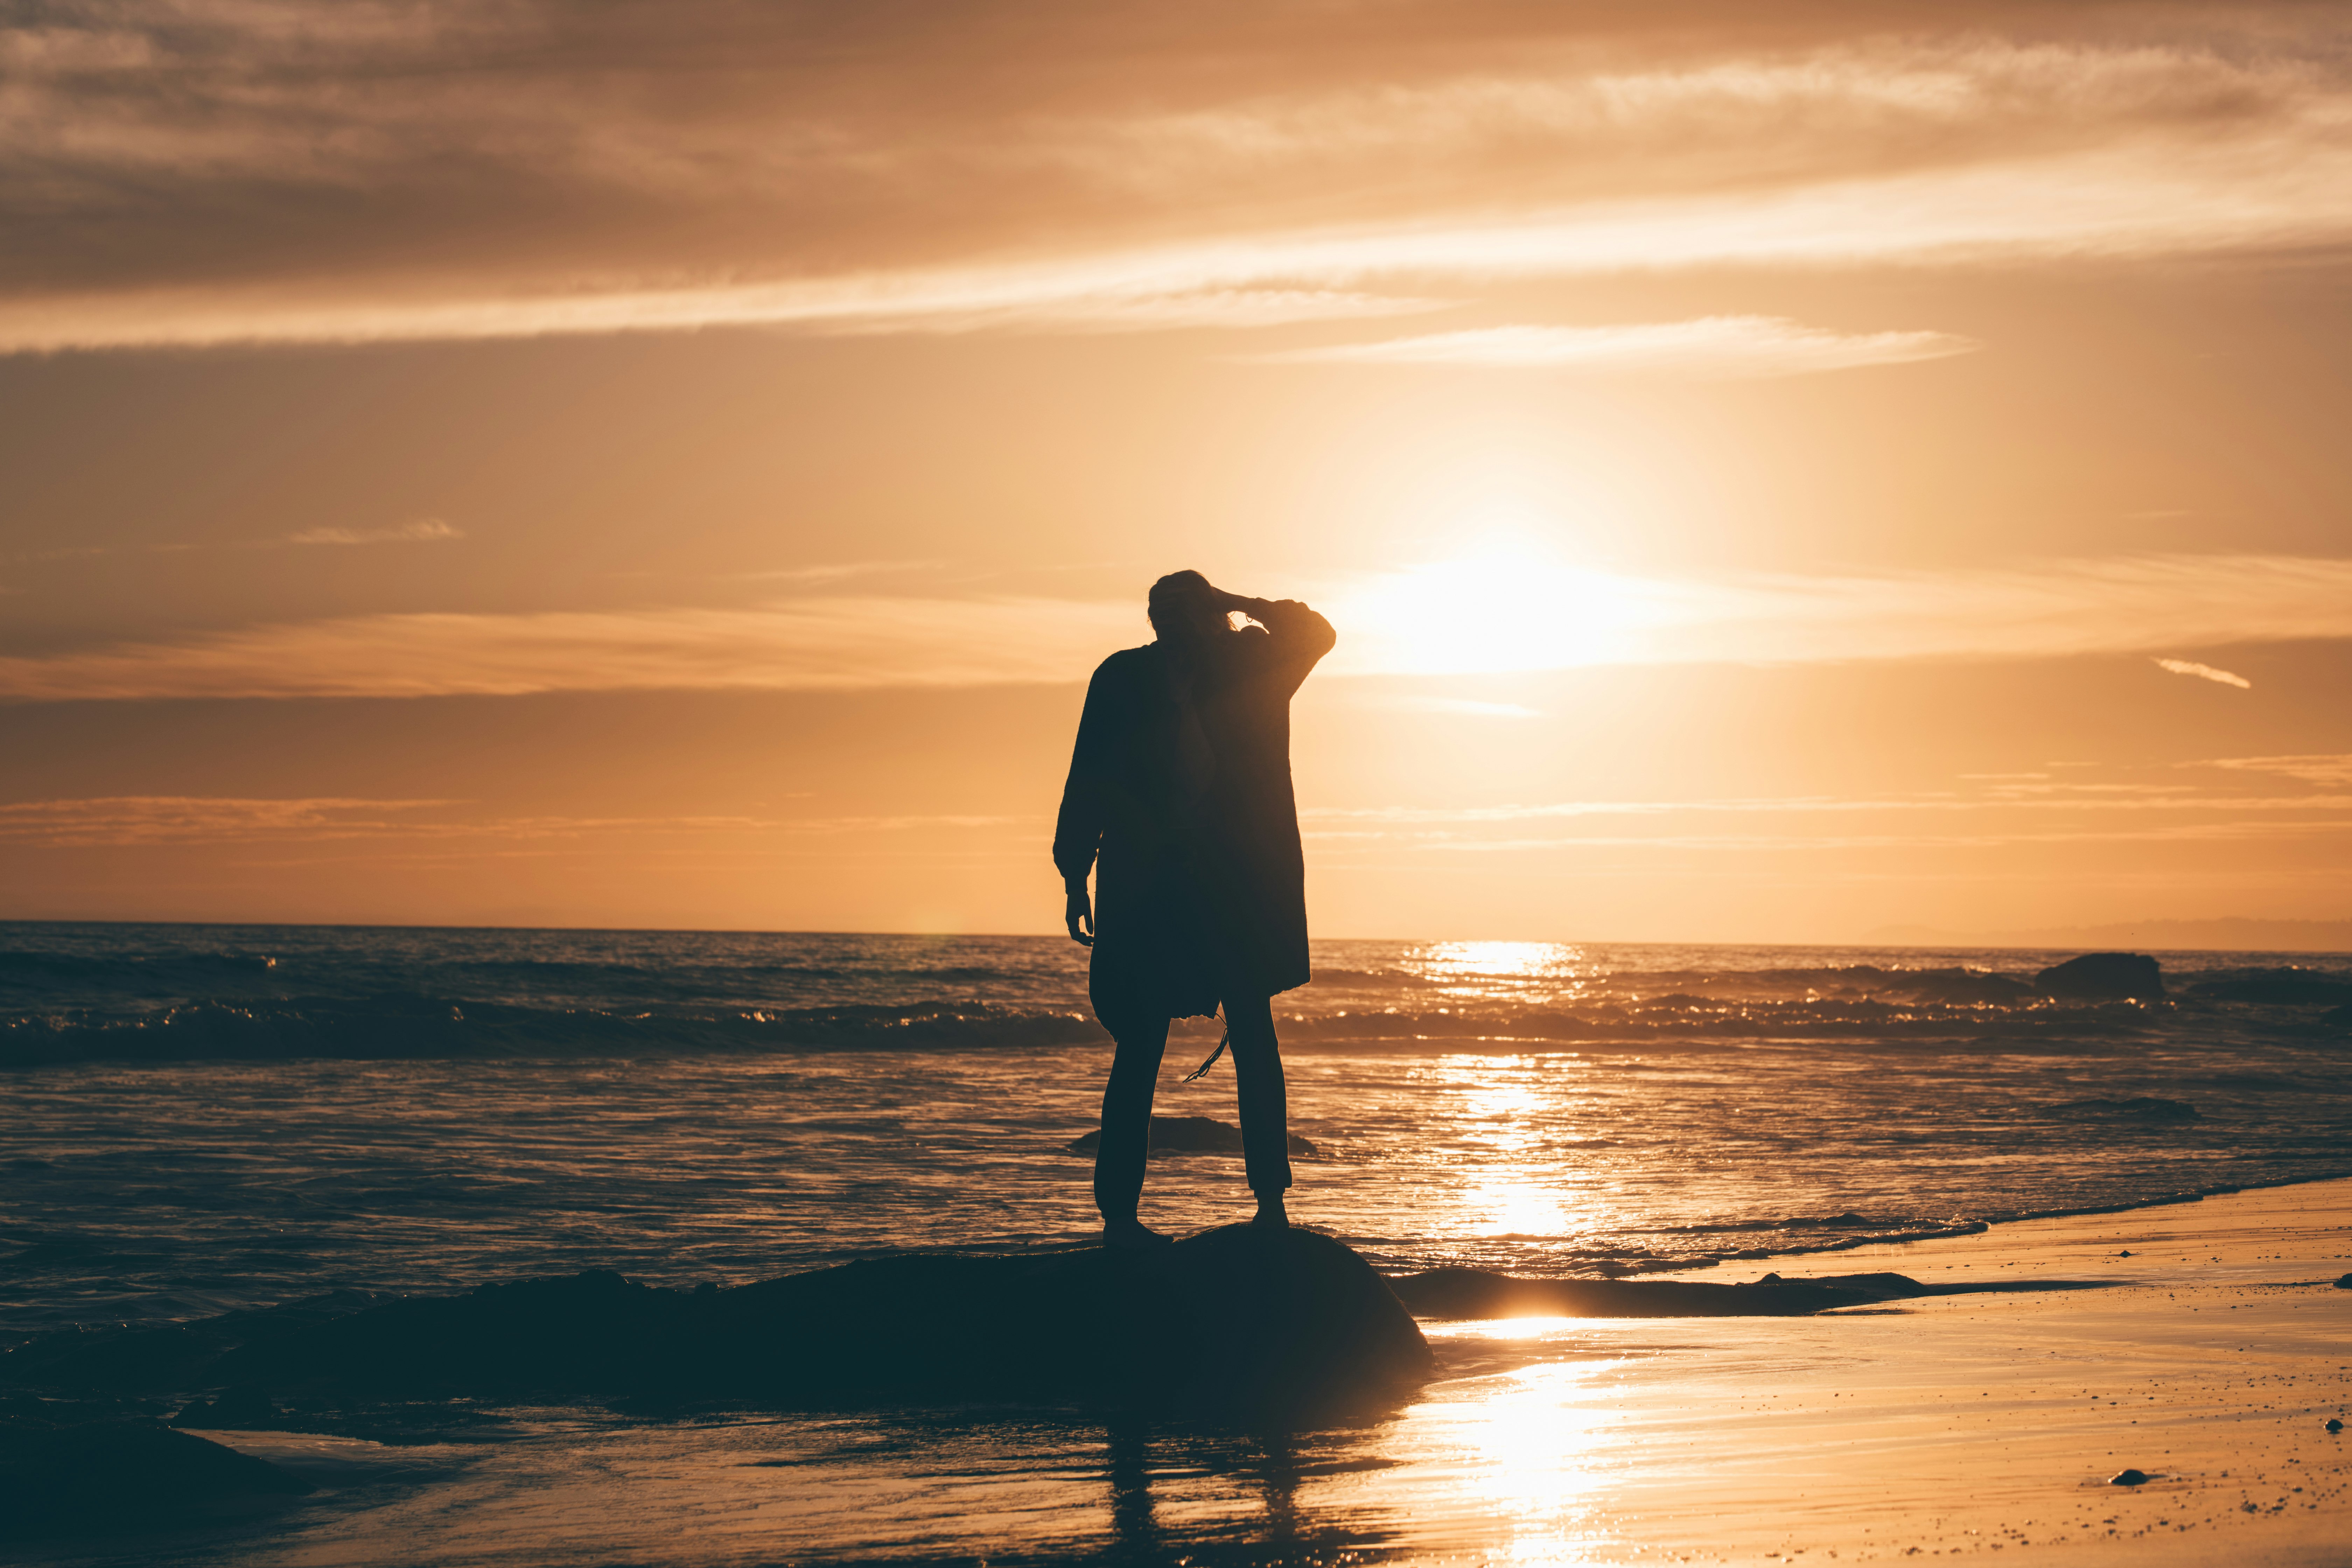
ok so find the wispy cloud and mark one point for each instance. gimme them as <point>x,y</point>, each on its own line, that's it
<point>168,819</point>
<point>422,530</point>
<point>1473,617</point>
<point>180,172</point>
<point>2133,799</point>
<point>2204,672</point>
<point>1150,292</point>
<point>419,531</point>
<point>833,572</point>
<point>2325,768</point>
<point>1711,348</point>
<point>832,644</point>
<point>1467,618</point>
<point>88,822</point>
<point>2180,833</point>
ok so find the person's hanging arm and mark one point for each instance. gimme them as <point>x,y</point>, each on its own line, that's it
<point>1078,830</point>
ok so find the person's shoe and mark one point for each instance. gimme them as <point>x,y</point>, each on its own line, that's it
<point>1270,1211</point>
<point>1131,1235</point>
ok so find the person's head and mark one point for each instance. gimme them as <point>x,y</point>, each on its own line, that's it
<point>1185,609</point>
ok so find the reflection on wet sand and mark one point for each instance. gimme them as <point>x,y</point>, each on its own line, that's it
<point>1270,1498</point>
<point>1946,1427</point>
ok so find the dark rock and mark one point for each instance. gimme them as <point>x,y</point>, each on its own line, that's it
<point>2103,977</point>
<point>1476,1293</point>
<point>1192,1135</point>
<point>237,1410</point>
<point>1243,1320</point>
<point>2345,1283</point>
<point>2128,1478</point>
<point>2282,988</point>
<point>2337,1017</point>
<point>2139,1108</point>
<point>2334,1424</point>
<point>60,1477</point>
<point>172,1359</point>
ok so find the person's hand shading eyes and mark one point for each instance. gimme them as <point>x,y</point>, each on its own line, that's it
<point>1080,917</point>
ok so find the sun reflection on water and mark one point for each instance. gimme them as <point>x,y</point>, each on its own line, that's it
<point>1522,1125</point>
<point>1494,970</point>
<point>1528,1449</point>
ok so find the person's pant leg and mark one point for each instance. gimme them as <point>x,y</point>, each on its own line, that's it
<point>1265,1102</point>
<point>1127,1114</point>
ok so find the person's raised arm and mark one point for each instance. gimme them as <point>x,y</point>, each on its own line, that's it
<point>1077,830</point>
<point>1300,636</point>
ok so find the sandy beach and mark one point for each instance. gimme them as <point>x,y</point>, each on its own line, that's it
<point>1961,1425</point>
<point>1956,1424</point>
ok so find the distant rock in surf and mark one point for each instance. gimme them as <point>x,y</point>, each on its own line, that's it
<point>2337,1017</point>
<point>1192,1135</point>
<point>2103,977</point>
<point>1241,1321</point>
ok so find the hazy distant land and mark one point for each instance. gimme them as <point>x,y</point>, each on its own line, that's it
<point>2235,934</point>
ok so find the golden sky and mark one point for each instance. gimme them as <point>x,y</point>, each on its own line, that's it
<point>1779,471</point>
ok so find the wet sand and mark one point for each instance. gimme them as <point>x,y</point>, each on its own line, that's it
<point>1982,1425</point>
<point>1953,1425</point>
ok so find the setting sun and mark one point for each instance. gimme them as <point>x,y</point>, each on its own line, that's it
<point>1500,610</point>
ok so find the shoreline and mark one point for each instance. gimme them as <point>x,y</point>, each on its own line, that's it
<point>1984,1425</point>
<point>1982,1227</point>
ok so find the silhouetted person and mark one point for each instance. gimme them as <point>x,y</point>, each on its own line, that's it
<point>1179,801</point>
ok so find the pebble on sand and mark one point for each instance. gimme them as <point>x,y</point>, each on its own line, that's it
<point>2334,1424</point>
<point>2128,1478</point>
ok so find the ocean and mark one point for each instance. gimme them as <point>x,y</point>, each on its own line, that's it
<point>201,1119</point>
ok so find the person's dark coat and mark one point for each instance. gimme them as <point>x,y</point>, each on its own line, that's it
<point>1179,798</point>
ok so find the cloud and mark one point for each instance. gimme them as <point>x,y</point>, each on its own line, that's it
<point>1453,618</point>
<point>166,820</point>
<point>833,572</point>
<point>1712,348</point>
<point>424,530</point>
<point>1478,617</point>
<point>100,820</point>
<point>1114,293</point>
<point>192,173</point>
<point>2204,672</point>
<point>2326,768</point>
<point>2196,832</point>
<point>2130,799</point>
<point>832,644</point>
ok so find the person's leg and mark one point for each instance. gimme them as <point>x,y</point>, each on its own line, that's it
<point>1265,1113</point>
<point>1127,1118</point>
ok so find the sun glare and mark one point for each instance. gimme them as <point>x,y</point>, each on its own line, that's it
<point>1505,608</point>
<point>1498,969</point>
